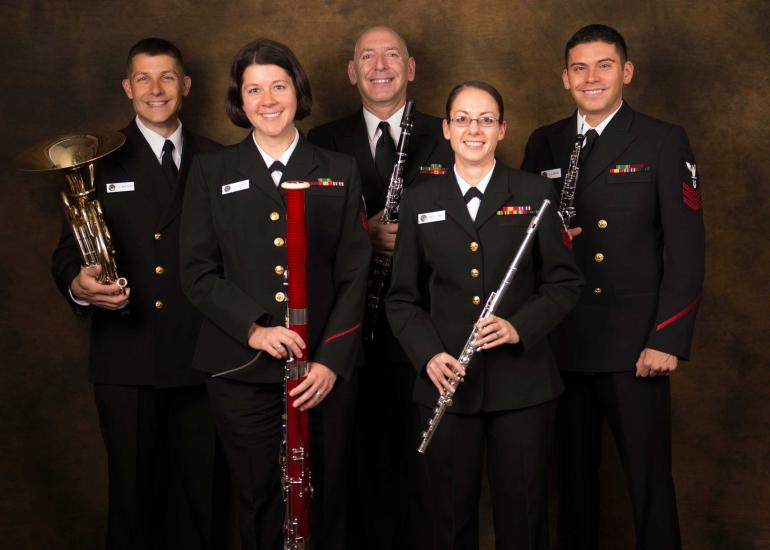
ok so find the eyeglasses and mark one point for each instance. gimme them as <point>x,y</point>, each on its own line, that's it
<point>464,120</point>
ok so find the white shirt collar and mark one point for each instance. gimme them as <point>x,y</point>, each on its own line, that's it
<point>474,203</point>
<point>156,141</point>
<point>284,158</point>
<point>373,122</point>
<point>583,126</point>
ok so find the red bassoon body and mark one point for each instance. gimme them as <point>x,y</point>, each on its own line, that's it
<point>295,455</point>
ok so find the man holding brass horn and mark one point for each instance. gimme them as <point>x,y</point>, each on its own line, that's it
<point>381,69</point>
<point>154,417</point>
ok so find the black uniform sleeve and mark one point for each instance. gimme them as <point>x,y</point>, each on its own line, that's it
<point>681,213</point>
<point>407,300</point>
<point>342,334</point>
<point>65,266</point>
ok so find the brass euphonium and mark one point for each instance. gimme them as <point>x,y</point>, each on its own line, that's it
<point>74,156</point>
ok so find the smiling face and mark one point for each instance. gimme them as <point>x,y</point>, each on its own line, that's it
<point>270,103</point>
<point>381,68</point>
<point>595,76</point>
<point>474,145</point>
<point>156,86</point>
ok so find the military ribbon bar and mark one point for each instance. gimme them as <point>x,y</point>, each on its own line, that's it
<point>629,168</point>
<point>326,182</point>
<point>514,210</point>
<point>435,169</point>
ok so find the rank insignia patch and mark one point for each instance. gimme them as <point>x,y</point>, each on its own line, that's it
<point>326,182</point>
<point>691,197</point>
<point>435,169</point>
<point>514,210</point>
<point>629,169</point>
<point>693,174</point>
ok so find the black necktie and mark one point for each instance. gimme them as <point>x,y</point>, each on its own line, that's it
<point>167,163</point>
<point>385,153</point>
<point>472,193</point>
<point>277,166</point>
<point>588,144</point>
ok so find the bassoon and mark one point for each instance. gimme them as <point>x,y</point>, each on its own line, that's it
<point>378,273</point>
<point>295,452</point>
<point>445,400</point>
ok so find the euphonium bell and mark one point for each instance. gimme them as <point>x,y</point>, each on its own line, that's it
<point>74,156</point>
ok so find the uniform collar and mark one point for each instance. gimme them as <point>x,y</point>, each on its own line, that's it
<point>583,126</point>
<point>156,141</point>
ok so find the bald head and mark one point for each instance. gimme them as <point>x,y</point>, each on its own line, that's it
<point>381,29</point>
<point>381,68</point>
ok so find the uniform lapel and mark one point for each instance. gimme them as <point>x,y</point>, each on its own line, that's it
<point>421,145</point>
<point>174,208</point>
<point>454,204</point>
<point>252,167</point>
<point>614,140</point>
<point>495,196</point>
<point>358,143</point>
<point>561,143</point>
<point>141,163</point>
<point>301,163</point>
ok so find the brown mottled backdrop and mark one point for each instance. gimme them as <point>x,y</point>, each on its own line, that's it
<point>700,64</point>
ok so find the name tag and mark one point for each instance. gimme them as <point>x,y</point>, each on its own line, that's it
<point>120,187</point>
<point>553,173</point>
<point>430,217</point>
<point>235,187</point>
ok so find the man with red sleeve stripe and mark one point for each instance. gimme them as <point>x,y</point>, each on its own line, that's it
<point>639,240</point>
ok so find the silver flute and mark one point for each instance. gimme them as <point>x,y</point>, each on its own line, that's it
<point>469,350</point>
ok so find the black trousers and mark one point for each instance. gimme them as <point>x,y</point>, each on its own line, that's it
<point>517,465</point>
<point>168,484</point>
<point>384,489</point>
<point>638,411</point>
<point>248,417</point>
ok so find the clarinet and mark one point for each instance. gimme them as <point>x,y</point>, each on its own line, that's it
<point>295,452</point>
<point>380,267</point>
<point>469,350</point>
<point>567,211</point>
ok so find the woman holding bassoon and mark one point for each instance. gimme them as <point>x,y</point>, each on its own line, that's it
<point>458,234</point>
<point>234,258</point>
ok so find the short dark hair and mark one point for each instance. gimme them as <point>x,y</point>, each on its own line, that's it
<point>479,85</point>
<point>154,46</point>
<point>266,52</point>
<point>597,33</point>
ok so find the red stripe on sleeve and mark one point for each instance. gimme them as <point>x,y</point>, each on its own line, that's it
<point>343,333</point>
<point>679,315</point>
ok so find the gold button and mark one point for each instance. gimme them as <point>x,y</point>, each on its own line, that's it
<point>599,257</point>
<point>597,291</point>
<point>476,300</point>
<point>275,216</point>
<point>156,236</point>
<point>602,224</point>
<point>474,246</point>
<point>279,270</point>
<point>159,304</point>
<point>280,296</point>
<point>159,270</point>
<point>278,241</point>
<point>474,272</point>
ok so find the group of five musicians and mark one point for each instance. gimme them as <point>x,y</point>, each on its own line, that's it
<point>196,347</point>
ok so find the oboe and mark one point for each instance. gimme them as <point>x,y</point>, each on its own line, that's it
<point>295,452</point>
<point>567,211</point>
<point>381,264</point>
<point>469,350</point>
